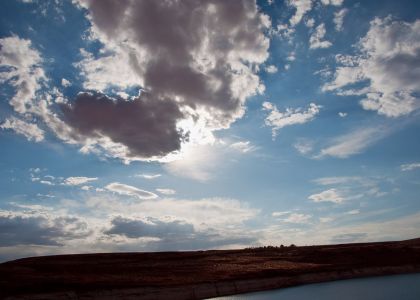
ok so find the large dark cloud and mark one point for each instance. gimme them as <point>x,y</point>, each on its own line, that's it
<point>146,126</point>
<point>173,234</point>
<point>190,56</point>
<point>135,228</point>
<point>39,230</point>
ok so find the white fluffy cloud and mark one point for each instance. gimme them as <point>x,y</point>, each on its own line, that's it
<point>332,2</point>
<point>277,119</point>
<point>271,69</point>
<point>331,195</point>
<point>128,190</point>
<point>21,69</point>
<point>388,66</point>
<point>316,40</point>
<point>339,18</point>
<point>30,130</point>
<point>78,180</point>
<point>302,7</point>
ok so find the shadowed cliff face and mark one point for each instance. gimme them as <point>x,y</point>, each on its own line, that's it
<point>83,273</point>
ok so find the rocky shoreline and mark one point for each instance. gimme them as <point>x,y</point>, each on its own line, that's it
<point>200,274</point>
<point>218,289</point>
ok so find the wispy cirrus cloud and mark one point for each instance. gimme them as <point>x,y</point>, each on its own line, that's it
<point>128,190</point>
<point>410,167</point>
<point>354,142</point>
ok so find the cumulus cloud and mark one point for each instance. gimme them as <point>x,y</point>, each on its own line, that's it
<point>150,227</point>
<point>387,65</point>
<point>339,18</point>
<point>332,2</point>
<point>302,7</point>
<point>354,142</point>
<point>21,69</point>
<point>146,126</point>
<point>18,228</point>
<point>128,190</point>
<point>342,114</point>
<point>271,69</point>
<point>331,195</point>
<point>65,82</point>
<point>30,130</point>
<point>410,167</point>
<point>78,180</point>
<point>196,67</point>
<point>316,39</point>
<point>277,119</point>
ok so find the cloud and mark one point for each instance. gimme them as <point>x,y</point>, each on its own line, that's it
<point>332,2</point>
<point>46,182</point>
<point>356,187</point>
<point>30,130</point>
<point>128,190</point>
<point>65,82</point>
<point>339,18</point>
<point>349,237</point>
<point>326,219</point>
<point>166,191</point>
<point>195,67</point>
<point>354,212</point>
<point>297,218</point>
<point>303,146</point>
<point>271,69</point>
<point>331,195</point>
<point>316,39</point>
<point>147,127</point>
<point>148,176</point>
<point>243,146</point>
<point>302,7</point>
<point>354,142</point>
<point>342,114</point>
<point>387,65</point>
<point>338,180</point>
<point>38,229</point>
<point>78,180</point>
<point>150,227</point>
<point>277,119</point>
<point>21,69</point>
<point>280,213</point>
<point>410,167</point>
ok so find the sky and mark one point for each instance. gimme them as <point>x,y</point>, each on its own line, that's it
<point>185,125</point>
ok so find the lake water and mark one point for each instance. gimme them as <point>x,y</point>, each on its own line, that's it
<point>400,287</point>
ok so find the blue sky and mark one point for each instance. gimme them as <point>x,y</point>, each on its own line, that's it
<point>136,126</point>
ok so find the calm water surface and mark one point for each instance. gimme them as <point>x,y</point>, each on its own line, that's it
<point>400,287</point>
